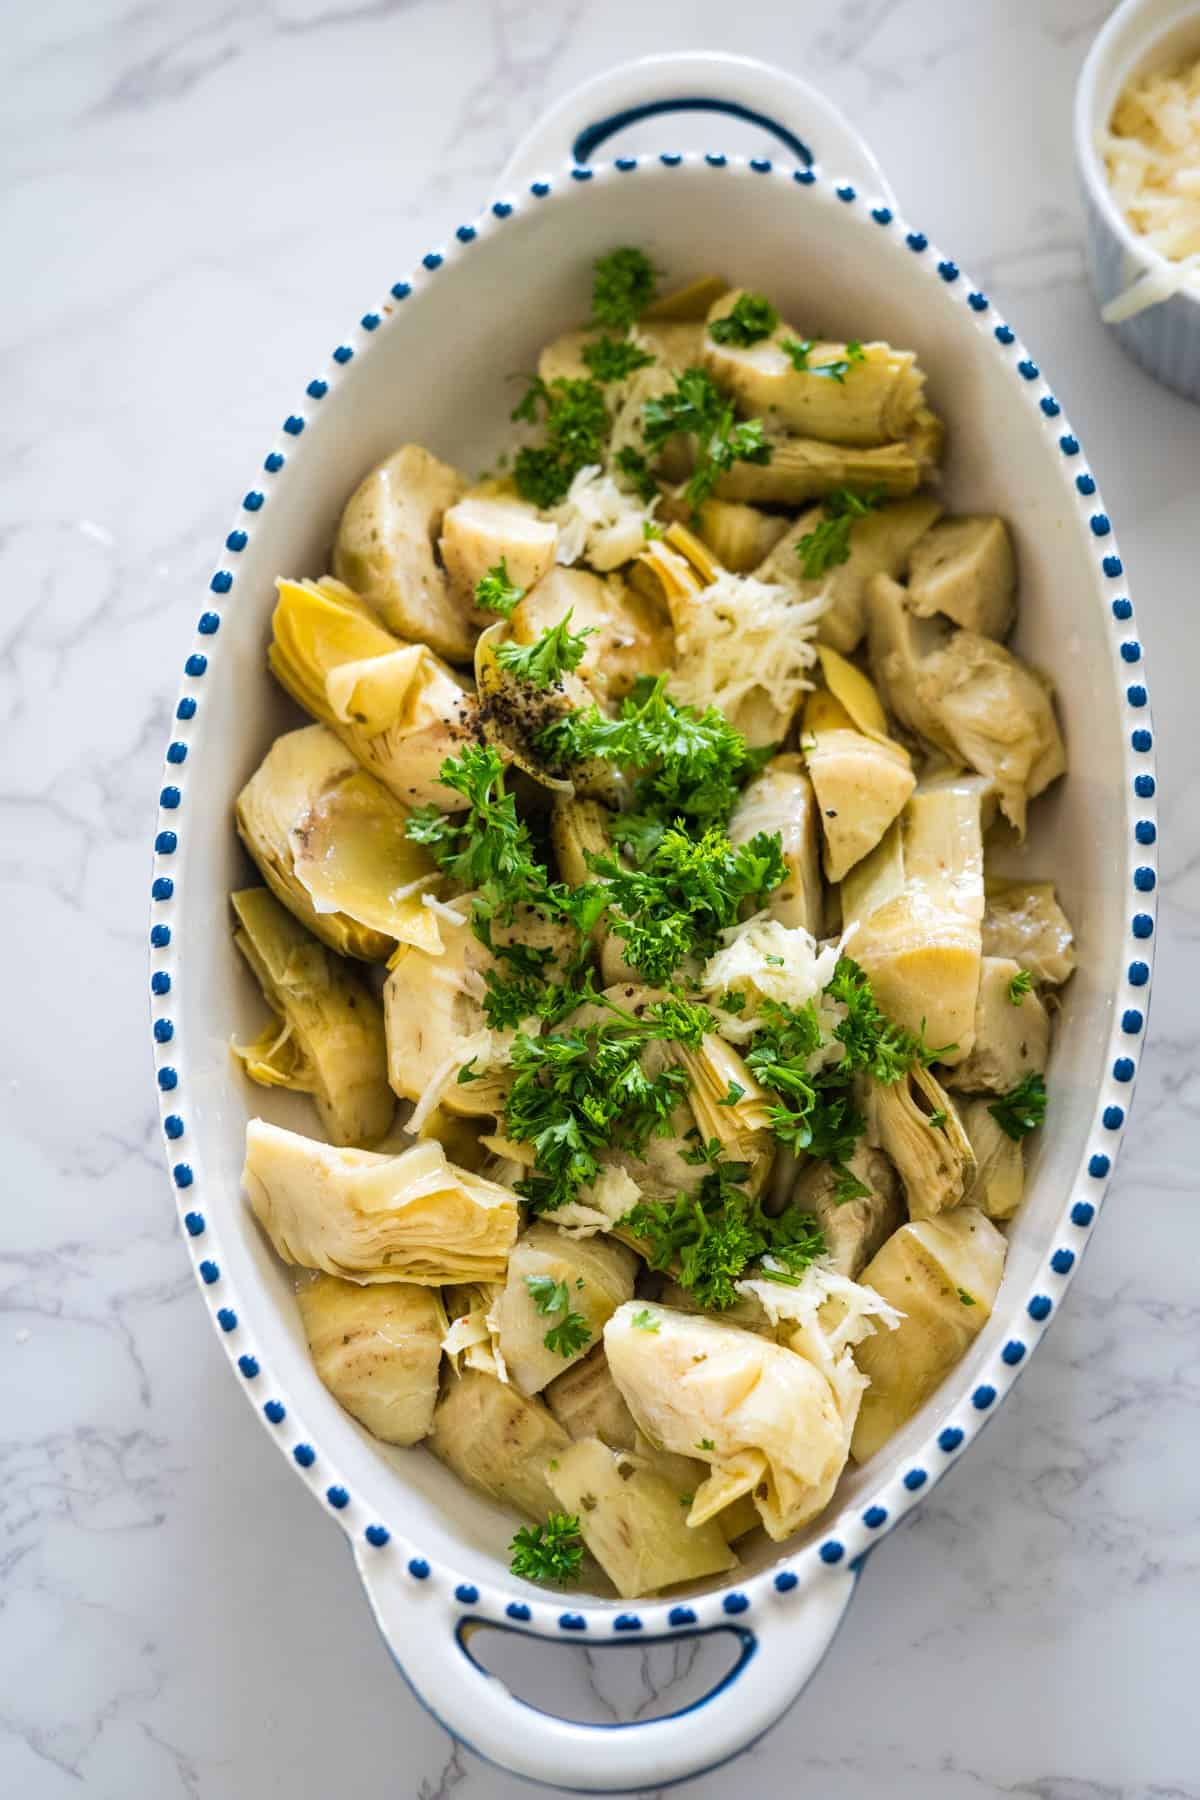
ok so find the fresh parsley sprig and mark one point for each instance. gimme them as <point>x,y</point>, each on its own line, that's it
<point>554,654</point>
<point>1023,1108</point>
<point>698,408</point>
<point>798,350</point>
<point>1020,985</point>
<point>614,359</point>
<point>828,543</point>
<point>749,319</point>
<point>575,425</point>
<point>552,1551</point>
<point>494,592</point>
<point>569,1335</point>
<point>623,285</point>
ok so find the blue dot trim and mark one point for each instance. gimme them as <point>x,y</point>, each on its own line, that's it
<point>1145,831</point>
<point>882,215</point>
<point>337,1497</point>
<point>1082,1213</point>
<point>401,289</point>
<point>1144,880</point>
<point>627,164</point>
<point>1113,566</point>
<point>169,797</point>
<point>1027,369</point>
<point>502,210</point>
<point>540,189</point>
<point>1063,1261</point>
<point>343,354</point>
<point>1131,1021</point>
<point>162,888</point>
<point>1122,609</point>
<point>1098,1166</point>
<point>1131,651</point>
<point>671,159</point>
<point>1100,525</point>
<point>1136,696</point>
<point>165,844</point>
<point>432,260</point>
<point>917,241</point>
<point>370,321</point>
<point>221,582</point>
<point>1004,334</point>
<point>1142,925</point>
<point>193,1223</point>
<point>293,424</point>
<point>160,982</point>
<point>177,751</point>
<point>249,1366</point>
<point>418,1568</point>
<point>977,302</point>
<point>1113,1118</point>
<point>570,1621</point>
<point>466,1593</point>
<point>274,462</point>
<point>164,1031</point>
<point>1012,1352</point>
<point>874,1517</point>
<point>1068,444</point>
<point>195,665</point>
<point>377,1536</point>
<point>1040,1307</point>
<point>715,159</point>
<point>1085,483</point>
<point>209,1272</point>
<point>252,502</point>
<point>831,1551</point>
<point>1050,406</point>
<point>845,192</point>
<point>786,1580</point>
<point>983,1396</point>
<point>173,1126</point>
<point>209,624</point>
<point>237,541</point>
<point>735,1603</point>
<point>317,390</point>
<point>627,1621</point>
<point>916,1478</point>
<point>803,177</point>
<point>275,1412</point>
<point>1138,973</point>
<point>1123,1069</point>
<point>182,1175</point>
<point>227,1319</point>
<point>950,1439</point>
<point>1143,785</point>
<point>465,233</point>
<point>948,271</point>
<point>516,1609</point>
<point>681,1615</point>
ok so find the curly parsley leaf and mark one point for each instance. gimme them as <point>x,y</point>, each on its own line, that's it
<point>644,1320</point>
<point>750,318</point>
<point>828,543</point>
<point>548,1296</point>
<point>552,1551</point>
<point>636,471</point>
<point>697,407</point>
<point>1023,1108</point>
<point>1020,985</point>
<point>623,286</point>
<point>614,359</point>
<point>554,654</point>
<point>799,350</point>
<point>496,593</point>
<point>575,425</point>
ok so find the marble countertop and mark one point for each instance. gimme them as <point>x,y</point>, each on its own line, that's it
<point>197,195</point>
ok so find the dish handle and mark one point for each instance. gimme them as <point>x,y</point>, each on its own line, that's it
<point>427,1626</point>
<point>790,109</point>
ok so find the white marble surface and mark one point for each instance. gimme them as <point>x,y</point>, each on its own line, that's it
<point>197,197</point>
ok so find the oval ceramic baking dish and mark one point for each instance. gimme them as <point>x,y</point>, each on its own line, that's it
<point>818,229</point>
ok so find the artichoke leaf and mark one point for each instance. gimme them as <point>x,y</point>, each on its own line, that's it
<point>915,1121</point>
<point>964,569</point>
<point>597,1274</point>
<point>377,1350</point>
<point>498,1441</point>
<point>1011,1041</point>
<point>780,799</point>
<point>998,1187</point>
<point>853,1229</point>
<point>1023,920</point>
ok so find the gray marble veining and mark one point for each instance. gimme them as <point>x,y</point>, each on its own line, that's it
<point>197,196</point>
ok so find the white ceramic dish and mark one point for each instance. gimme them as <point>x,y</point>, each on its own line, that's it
<point>429,363</point>
<point>1141,35</point>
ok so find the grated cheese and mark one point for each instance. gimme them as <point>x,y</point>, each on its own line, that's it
<point>739,638</point>
<point>1152,157</point>
<point>598,523</point>
<point>764,960</point>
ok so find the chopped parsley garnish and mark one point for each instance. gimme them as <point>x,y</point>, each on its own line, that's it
<point>487,847</point>
<point>938,1118</point>
<point>1023,1108</point>
<point>733,1094</point>
<point>569,1336</point>
<point>967,1299</point>
<point>637,473</point>
<point>750,318</point>
<point>1020,985</point>
<point>714,1237</point>
<point>549,1552</point>
<point>800,349</point>
<point>644,1320</point>
<point>496,593</point>
<point>622,287</point>
<point>697,407</point>
<point>614,359</point>
<point>575,422</point>
<point>687,891</point>
<point>572,1332</point>
<point>828,543</point>
<point>548,1295</point>
<point>544,663</point>
<point>706,1444</point>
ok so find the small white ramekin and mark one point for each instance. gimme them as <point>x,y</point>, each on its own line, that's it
<point>1140,35</point>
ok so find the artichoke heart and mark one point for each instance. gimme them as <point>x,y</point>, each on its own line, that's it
<point>594,1274</point>
<point>964,569</point>
<point>943,1275</point>
<point>330,843</point>
<point>497,1441</point>
<point>915,1122</point>
<point>587,1402</point>
<point>805,468</point>
<point>630,631</point>
<point>368,1217</point>
<point>780,799</point>
<point>872,404</point>
<point>378,1350</point>
<point>738,535</point>
<point>631,1519</point>
<point>481,531</point>
<point>1011,1040</point>
<point>853,1229</point>
<point>998,1187</point>
<point>385,550</point>
<point>715,1072</point>
<point>766,1419</point>
<point>879,543</point>
<point>861,784</point>
<point>1023,920</point>
<point>329,1041</point>
<point>396,705</point>
<point>471,1327</point>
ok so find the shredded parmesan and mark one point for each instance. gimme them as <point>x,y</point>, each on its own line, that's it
<point>486,1050</point>
<point>764,960</point>
<point>1152,156</point>
<point>598,523</point>
<point>600,1206</point>
<point>830,1314</point>
<point>741,637</point>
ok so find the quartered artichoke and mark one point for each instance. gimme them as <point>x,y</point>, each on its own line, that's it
<point>631,633</point>
<point>328,1038</point>
<point>853,1229</point>
<point>385,550</point>
<point>481,531</point>
<point>596,1275</point>
<point>872,405</point>
<point>738,535</point>
<point>964,568</point>
<point>879,543</point>
<point>968,696</point>
<point>780,799</point>
<point>943,1275</point>
<point>355,1213</point>
<point>804,468</point>
<point>1023,920</point>
<point>998,1185</point>
<point>378,1351</point>
<point>396,705</point>
<point>587,1402</point>
<point>773,1420</point>
<point>861,783</point>
<point>329,841</point>
<point>915,1121</point>
<point>497,1441</point>
<point>632,1520</point>
<point>1011,1040</point>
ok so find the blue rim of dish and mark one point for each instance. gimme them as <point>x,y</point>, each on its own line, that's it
<point>856,1529</point>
